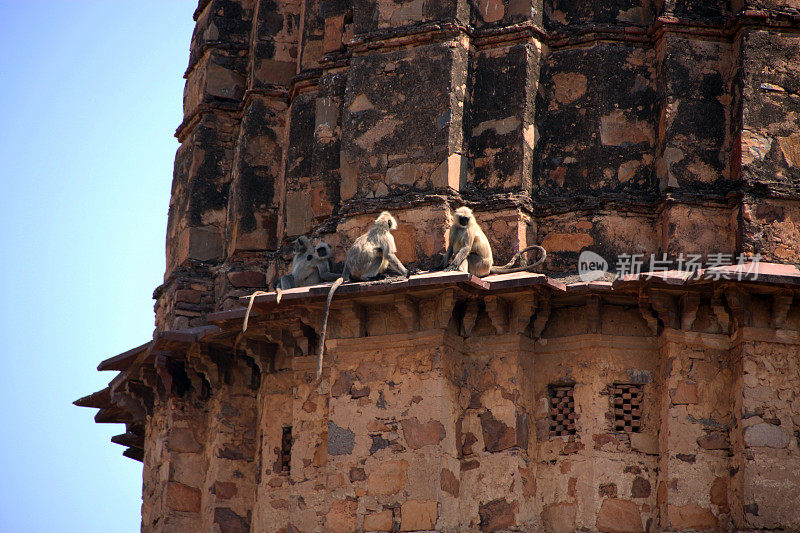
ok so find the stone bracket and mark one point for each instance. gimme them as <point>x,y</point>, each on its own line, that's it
<point>780,309</point>
<point>720,310</point>
<point>690,303</point>
<point>739,304</point>
<point>522,310</point>
<point>593,305</point>
<point>542,316</point>
<point>497,309</point>
<point>471,309</point>
<point>408,311</point>
<point>646,311</point>
<point>435,313</point>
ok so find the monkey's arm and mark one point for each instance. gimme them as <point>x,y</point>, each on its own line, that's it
<point>285,282</point>
<point>325,273</point>
<point>460,257</point>
<point>447,255</point>
<point>395,263</point>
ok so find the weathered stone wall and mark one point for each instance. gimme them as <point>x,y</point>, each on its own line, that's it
<point>436,412</point>
<point>619,127</point>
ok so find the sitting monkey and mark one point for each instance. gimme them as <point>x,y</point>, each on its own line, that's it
<point>310,266</point>
<point>370,256</point>
<point>468,249</point>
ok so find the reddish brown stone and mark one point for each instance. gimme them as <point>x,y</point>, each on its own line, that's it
<point>684,393</point>
<point>497,514</point>
<point>357,474</point>
<point>341,517</point>
<point>607,490</point>
<point>225,490</point>
<point>247,278</point>
<point>496,435</point>
<point>449,483</point>
<point>181,497</point>
<point>188,295</point>
<point>382,521</point>
<point>559,518</point>
<point>230,522</point>
<point>342,384</point>
<point>619,516</point>
<point>640,488</point>
<point>713,441</point>
<point>719,493</point>
<point>418,515</point>
<point>691,517</point>
<point>183,440</point>
<point>469,465</point>
<point>418,434</point>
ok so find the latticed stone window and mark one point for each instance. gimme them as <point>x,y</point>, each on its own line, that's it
<point>286,449</point>
<point>627,404</point>
<point>562,410</point>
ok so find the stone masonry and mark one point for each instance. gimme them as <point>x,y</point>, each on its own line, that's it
<point>521,402</point>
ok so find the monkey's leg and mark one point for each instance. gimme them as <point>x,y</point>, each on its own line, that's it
<point>478,266</point>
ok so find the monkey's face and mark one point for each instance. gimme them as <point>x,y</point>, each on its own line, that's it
<point>462,216</point>
<point>299,245</point>
<point>323,251</point>
<point>386,219</point>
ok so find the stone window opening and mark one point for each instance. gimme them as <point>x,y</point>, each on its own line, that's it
<point>562,410</point>
<point>626,401</point>
<point>286,449</point>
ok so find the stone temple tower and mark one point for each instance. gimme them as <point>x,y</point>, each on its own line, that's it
<point>665,399</point>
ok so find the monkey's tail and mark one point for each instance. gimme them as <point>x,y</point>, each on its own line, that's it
<point>335,286</point>
<point>507,268</point>
<point>249,308</point>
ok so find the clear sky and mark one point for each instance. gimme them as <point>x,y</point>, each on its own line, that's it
<point>90,96</point>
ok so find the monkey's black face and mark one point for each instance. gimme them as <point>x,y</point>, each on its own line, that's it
<point>322,251</point>
<point>463,221</point>
<point>309,258</point>
<point>298,246</point>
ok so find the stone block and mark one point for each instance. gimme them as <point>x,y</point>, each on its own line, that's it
<point>418,515</point>
<point>418,434</point>
<point>382,521</point>
<point>645,443</point>
<point>182,497</point>
<point>619,516</point>
<point>497,515</point>
<point>342,517</point>
<point>691,516</point>
<point>766,435</point>
<point>559,518</point>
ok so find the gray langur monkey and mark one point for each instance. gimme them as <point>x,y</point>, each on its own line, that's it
<point>310,266</point>
<point>370,256</point>
<point>468,249</point>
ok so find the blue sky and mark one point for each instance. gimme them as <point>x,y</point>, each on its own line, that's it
<point>89,100</point>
